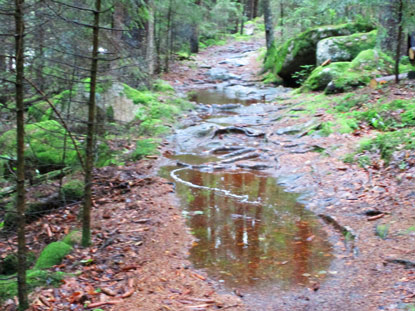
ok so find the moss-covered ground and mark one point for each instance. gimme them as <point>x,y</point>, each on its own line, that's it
<point>392,117</point>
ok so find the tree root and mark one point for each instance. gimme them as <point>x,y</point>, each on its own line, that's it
<point>240,158</point>
<point>238,130</point>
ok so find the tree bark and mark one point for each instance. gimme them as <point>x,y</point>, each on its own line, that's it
<point>269,25</point>
<point>389,27</point>
<point>255,9</point>
<point>399,42</point>
<point>89,161</point>
<point>194,36</point>
<point>282,19</point>
<point>20,202</point>
<point>150,38</point>
<point>169,36</point>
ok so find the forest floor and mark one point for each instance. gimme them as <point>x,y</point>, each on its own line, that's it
<point>141,242</point>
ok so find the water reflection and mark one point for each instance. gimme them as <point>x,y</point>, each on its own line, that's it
<point>252,245</point>
<point>208,97</point>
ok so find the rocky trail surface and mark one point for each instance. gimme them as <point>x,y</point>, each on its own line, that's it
<point>270,134</point>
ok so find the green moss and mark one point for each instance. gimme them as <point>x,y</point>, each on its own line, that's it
<point>326,128</point>
<point>144,148</point>
<point>44,144</point>
<point>35,278</point>
<point>52,255</point>
<point>322,76</point>
<point>347,125</point>
<point>350,101</point>
<point>269,78</point>
<point>73,190</point>
<point>40,112</point>
<point>102,86</point>
<point>303,46</point>
<point>388,116</point>
<point>344,76</point>
<point>162,86</point>
<point>139,97</point>
<point>387,143</point>
<point>345,48</point>
<point>73,238</point>
<point>9,264</point>
<point>206,42</point>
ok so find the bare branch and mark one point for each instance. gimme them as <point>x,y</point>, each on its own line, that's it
<point>81,8</point>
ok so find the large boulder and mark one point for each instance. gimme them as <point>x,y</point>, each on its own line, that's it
<point>342,76</point>
<point>344,48</point>
<point>301,50</point>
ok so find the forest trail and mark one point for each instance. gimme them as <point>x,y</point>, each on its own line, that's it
<point>228,160</point>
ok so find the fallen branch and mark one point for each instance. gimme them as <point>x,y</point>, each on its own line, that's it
<point>408,264</point>
<point>375,217</point>
<point>103,303</point>
<point>37,179</point>
<point>391,78</point>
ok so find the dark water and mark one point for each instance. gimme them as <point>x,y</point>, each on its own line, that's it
<point>250,233</point>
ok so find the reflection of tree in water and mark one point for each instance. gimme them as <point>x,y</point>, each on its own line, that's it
<point>245,243</point>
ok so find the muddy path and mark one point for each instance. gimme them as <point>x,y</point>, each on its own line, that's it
<point>278,218</point>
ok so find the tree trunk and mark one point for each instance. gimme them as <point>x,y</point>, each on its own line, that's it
<point>89,160</point>
<point>194,37</point>
<point>20,202</point>
<point>3,69</point>
<point>168,37</point>
<point>150,38</point>
<point>389,27</point>
<point>399,42</point>
<point>251,9</point>
<point>269,25</point>
<point>282,19</point>
<point>255,9</point>
<point>243,16</point>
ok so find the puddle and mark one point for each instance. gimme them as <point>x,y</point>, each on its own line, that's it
<point>211,97</point>
<point>251,234</point>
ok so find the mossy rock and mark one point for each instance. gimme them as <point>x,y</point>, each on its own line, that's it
<point>44,145</point>
<point>301,50</point>
<point>73,190</point>
<point>322,76</point>
<point>139,97</point>
<point>73,238</point>
<point>9,264</point>
<point>343,76</point>
<point>52,255</point>
<point>34,278</point>
<point>345,48</point>
<point>40,112</point>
